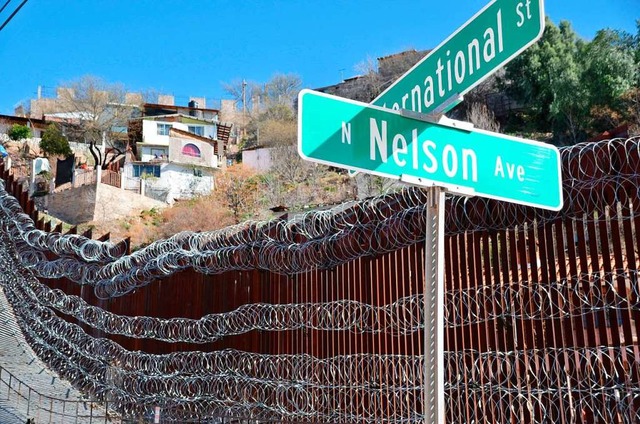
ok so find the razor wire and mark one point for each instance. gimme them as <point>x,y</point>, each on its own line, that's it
<point>596,175</point>
<point>534,385</point>
<point>571,297</point>
<point>300,386</point>
<point>189,385</point>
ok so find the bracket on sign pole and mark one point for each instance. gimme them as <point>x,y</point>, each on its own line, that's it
<point>438,115</point>
<point>450,188</point>
<point>448,104</point>
<point>435,115</point>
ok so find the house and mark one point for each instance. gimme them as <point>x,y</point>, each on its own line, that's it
<point>37,125</point>
<point>177,151</point>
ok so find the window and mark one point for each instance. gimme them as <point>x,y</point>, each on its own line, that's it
<point>196,129</point>
<point>163,129</point>
<point>158,153</point>
<point>146,171</point>
<point>191,150</point>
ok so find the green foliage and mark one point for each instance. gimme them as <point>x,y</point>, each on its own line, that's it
<point>562,79</point>
<point>54,142</point>
<point>19,132</point>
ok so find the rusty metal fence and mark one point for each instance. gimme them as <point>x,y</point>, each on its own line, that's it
<point>319,318</point>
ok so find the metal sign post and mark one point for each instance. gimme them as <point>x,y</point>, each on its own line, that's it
<point>434,407</point>
<point>411,144</point>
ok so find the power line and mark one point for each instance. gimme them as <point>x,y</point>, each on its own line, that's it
<point>13,14</point>
<point>5,5</point>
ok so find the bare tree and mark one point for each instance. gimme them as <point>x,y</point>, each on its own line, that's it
<point>274,122</point>
<point>481,117</point>
<point>281,89</point>
<point>243,92</point>
<point>238,190</point>
<point>97,113</point>
<point>366,185</point>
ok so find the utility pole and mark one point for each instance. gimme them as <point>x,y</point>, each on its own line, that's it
<point>244,108</point>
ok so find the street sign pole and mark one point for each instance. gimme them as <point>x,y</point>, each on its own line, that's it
<point>415,146</point>
<point>433,403</point>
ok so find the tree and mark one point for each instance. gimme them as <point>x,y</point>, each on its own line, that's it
<point>273,123</point>
<point>546,79</point>
<point>275,132</point>
<point>19,132</point>
<point>630,109</point>
<point>619,59</point>
<point>243,92</point>
<point>481,117</point>
<point>98,114</point>
<point>54,143</point>
<point>238,190</point>
<point>561,79</point>
<point>281,89</point>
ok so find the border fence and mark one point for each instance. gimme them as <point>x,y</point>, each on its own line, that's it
<point>318,317</point>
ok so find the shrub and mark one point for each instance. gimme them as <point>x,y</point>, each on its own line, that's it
<point>54,142</point>
<point>19,132</point>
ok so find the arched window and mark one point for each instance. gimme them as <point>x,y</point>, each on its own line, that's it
<point>191,150</point>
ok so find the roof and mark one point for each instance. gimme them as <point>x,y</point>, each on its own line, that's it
<point>182,115</point>
<point>174,107</point>
<point>83,116</point>
<point>22,120</point>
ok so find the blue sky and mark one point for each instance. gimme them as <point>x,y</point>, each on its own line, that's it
<point>191,48</point>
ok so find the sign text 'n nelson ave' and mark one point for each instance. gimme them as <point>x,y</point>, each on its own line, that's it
<point>371,139</point>
<point>490,39</point>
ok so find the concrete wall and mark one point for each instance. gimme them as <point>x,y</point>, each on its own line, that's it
<point>101,203</point>
<point>74,206</point>
<point>113,203</point>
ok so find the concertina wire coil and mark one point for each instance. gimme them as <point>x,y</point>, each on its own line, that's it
<point>594,176</point>
<point>189,385</point>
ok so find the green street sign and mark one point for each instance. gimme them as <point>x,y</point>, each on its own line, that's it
<point>371,139</point>
<point>486,42</point>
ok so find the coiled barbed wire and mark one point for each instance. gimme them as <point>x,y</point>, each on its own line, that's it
<point>213,378</point>
<point>593,383</point>
<point>194,384</point>
<point>595,176</point>
<point>299,386</point>
<point>571,297</point>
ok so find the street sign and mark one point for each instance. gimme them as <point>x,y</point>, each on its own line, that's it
<point>357,136</point>
<point>486,42</point>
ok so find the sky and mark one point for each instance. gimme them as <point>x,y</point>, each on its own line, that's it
<point>192,48</point>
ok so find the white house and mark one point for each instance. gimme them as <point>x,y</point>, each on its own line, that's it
<point>177,155</point>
